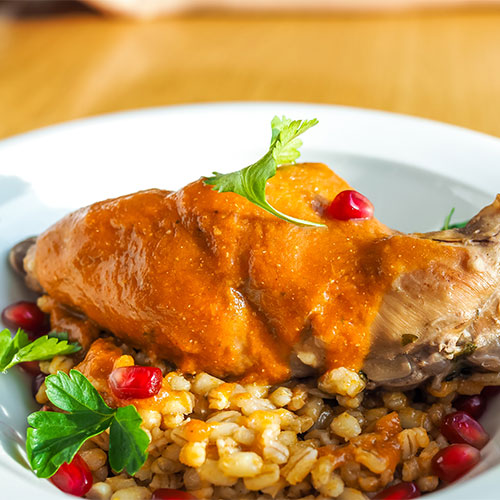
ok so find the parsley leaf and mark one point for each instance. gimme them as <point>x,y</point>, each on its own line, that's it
<point>58,335</point>
<point>75,394</point>
<point>19,349</point>
<point>9,346</point>
<point>447,221</point>
<point>55,438</point>
<point>125,430</point>
<point>250,182</point>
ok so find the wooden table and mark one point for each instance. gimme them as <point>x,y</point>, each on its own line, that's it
<point>440,65</point>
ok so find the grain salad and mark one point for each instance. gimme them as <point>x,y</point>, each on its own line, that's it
<point>303,440</point>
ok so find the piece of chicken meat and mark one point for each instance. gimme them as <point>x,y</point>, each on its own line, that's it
<point>211,282</point>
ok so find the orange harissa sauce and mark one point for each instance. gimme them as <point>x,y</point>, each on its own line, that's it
<point>104,356</point>
<point>214,283</point>
<point>382,441</point>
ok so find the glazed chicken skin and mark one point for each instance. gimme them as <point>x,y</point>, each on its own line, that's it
<point>213,283</point>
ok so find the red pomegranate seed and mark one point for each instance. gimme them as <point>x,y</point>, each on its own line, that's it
<point>474,406</point>
<point>401,491</point>
<point>454,461</point>
<point>25,315</point>
<point>135,382</point>
<point>74,478</point>
<point>168,494</point>
<point>459,427</point>
<point>491,391</point>
<point>350,205</point>
<point>31,367</point>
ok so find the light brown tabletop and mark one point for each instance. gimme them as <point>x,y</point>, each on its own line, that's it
<point>439,65</point>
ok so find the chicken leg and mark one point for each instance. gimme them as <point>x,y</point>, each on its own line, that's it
<point>211,282</point>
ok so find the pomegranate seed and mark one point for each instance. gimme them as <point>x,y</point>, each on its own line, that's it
<point>491,391</point>
<point>401,491</point>
<point>135,382</point>
<point>474,406</point>
<point>168,494</point>
<point>25,315</point>
<point>350,205</point>
<point>74,478</point>
<point>454,461</point>
<point>36,383</point>
<point>459,427</point>
<point>31,367</point>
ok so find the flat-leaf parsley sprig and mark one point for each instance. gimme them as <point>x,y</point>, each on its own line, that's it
<point>250,182</point>
<point>55,438</point>
<point>19,349</point>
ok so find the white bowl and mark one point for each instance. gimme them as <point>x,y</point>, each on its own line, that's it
<point>413,170</point>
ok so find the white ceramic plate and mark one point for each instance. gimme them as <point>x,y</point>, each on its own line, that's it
<point>413,170</point>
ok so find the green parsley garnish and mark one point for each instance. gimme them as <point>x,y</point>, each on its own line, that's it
<point>19,349</point>
<point>55,438</point>
<point>250,182</point>
<point>58,335</point>
<point>447,221</point>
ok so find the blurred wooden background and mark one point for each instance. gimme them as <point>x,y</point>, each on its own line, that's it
<point>70,62</point>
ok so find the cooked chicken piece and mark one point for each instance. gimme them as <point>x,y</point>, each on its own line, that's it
<point>211,282</point>
<point>451,314</point>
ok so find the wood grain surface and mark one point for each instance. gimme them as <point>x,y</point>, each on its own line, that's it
<point>440,65</point>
